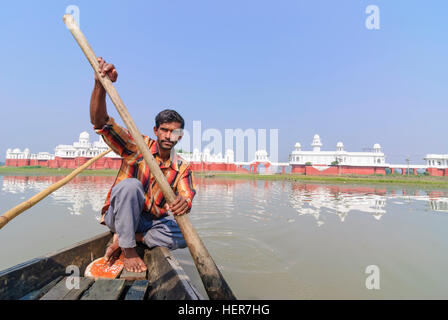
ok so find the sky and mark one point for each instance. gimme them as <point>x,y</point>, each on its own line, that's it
<point>302,67</point>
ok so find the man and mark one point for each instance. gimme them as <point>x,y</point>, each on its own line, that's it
<point>135,209</point>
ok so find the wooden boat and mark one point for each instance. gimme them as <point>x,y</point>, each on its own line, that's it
<point>46,277</point>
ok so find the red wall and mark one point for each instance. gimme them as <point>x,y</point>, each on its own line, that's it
<point>298,169</point>
<point>437,172</point>
<point>337,170</point>
<point>204,167</point>
<point>115,163</point>
<point>69,163</point>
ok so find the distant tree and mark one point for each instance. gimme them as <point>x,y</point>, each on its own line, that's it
<point>308,163</point>
<point>183,151</point>
<point>335,163</point>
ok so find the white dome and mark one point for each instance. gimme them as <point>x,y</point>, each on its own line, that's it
<point>84,135</point>
<point>339,145</point>
<point>316,143</point>
<point>196,150</point>
<point>261,153</point>
<point>229,151</point>
<point>297,145</point>
<point>206,150</point>
<point>376,146</point>
<point>16,150</point>
<point>26,150</point>
<point>9,150</point>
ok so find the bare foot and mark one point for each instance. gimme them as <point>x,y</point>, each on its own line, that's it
<point>132,261</point>
<point>113,251</point>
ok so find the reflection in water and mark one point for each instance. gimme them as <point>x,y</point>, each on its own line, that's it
<point>306,199</point>
<point>315,200</point>
<point>270,234</point>
<point>311,199</point>
<point>82,191</point>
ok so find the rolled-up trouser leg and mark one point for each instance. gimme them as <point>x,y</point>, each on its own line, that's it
<point>163,232</point>
<point>126,204</point>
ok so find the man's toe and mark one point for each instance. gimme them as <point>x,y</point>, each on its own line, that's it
<point>142,267</point>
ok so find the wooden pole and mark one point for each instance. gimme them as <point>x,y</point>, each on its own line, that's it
<point>214,282</point>
<point>14,212</point>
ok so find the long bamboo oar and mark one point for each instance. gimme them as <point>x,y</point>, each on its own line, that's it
<point>14,212</point>
<point>214,283</point>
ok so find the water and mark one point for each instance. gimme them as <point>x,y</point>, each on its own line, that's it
<point>270,239</point>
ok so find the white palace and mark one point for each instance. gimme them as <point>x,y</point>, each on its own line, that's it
<point>308,162</point>
<point>337,161</point>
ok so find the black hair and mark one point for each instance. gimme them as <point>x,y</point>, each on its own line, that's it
<point>168,115</point>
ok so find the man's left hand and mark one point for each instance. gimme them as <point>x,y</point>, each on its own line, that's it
<point>178,207</point>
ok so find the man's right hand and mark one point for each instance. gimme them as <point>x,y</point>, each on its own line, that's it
<point>98,110</point>
<point>106,68</point>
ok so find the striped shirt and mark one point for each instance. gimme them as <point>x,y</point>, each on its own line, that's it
<point>176,170</point>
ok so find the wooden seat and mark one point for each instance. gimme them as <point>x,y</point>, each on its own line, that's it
<point>164,279</point>
<point>105,289</point>
<point>69,288</point>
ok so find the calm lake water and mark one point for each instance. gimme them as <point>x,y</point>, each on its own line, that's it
<point>271,240</point>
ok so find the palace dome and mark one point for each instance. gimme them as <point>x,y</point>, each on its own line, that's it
<point>84,136</point>
<point>316,141</point>
<point>261,152</point>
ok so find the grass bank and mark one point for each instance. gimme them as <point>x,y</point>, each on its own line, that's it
<point>37,170</point>
<point>388,179</point>
<point>419,180</point>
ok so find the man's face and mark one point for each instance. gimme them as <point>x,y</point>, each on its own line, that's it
<point>168,134</point>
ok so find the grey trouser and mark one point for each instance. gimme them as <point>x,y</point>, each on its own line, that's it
<point>125,217</point>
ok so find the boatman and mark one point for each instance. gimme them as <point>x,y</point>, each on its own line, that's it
<point>135,209</point>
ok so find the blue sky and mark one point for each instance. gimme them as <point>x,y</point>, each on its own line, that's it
<point>302,67</point>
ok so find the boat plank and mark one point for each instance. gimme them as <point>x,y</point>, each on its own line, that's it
<point>130,276</point>
<point>61,291</point>
<point>105,289</point>
<point>36,278</point>
<point>137,290</point>
<point>37,294</point>
<point>167,279</point>
<point>19,280</point>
